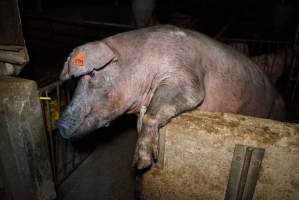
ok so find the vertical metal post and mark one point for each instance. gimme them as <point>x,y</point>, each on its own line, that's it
<point>244,172</point>
<point>50,134</point>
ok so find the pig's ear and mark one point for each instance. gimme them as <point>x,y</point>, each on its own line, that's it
<point>92,56</point>
<point>65,75</point>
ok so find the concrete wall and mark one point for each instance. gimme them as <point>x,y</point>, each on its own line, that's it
<point>24,156</point>
<point>198,152</point>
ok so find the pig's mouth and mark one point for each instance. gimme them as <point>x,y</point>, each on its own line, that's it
<point>63,131</point>
<point>86,126</point>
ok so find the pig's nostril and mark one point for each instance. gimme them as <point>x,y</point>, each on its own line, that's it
<point>63,130</point>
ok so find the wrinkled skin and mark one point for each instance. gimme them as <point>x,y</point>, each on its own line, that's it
<point>158,73</point>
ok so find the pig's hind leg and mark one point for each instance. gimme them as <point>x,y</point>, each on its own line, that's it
<point>278,109</point>
<point>168,101</point>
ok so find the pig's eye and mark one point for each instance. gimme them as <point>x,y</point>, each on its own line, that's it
<point>92,74</point>
<point>91,79</point>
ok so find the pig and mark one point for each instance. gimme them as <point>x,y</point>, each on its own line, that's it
<point>157,73</point>
<point>275,64</point>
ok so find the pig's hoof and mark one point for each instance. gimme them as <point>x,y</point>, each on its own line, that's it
<point>144,155</point>
<point>144,163</point>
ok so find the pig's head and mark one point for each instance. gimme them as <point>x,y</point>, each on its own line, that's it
<point>87,58</point>
<point>94,101</point>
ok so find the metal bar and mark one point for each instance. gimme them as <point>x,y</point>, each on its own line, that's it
<point>253,41</point>
<point>50,132</point>
<point>61,152</point>
<point>50,87</point>
<point>45,98</point>
<point>58,99</point>
<point>292,75</point>
<point>223,29</point>
<point>64,157</point>
<point>244,172</point>
<point>296,43</point>
<point>48,113</point>
<point>253,172</point>
<point>74,154</point>
<point>294,92</point>
<point>80,22</point>
<point>235,173</point>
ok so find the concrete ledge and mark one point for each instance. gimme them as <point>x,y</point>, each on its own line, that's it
<point>24,156</point>
<point>198,151</point>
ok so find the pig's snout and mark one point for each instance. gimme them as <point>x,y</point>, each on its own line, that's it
<point>64,129</point>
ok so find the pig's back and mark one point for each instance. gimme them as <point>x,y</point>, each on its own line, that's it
<point>233,82</point>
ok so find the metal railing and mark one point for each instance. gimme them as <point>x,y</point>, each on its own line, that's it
<point>65,158</point>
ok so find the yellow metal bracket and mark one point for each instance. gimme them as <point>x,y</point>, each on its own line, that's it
<point>45,98</point>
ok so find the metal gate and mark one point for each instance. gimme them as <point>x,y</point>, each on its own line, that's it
<point>279,59</point>
<point>65,157</point>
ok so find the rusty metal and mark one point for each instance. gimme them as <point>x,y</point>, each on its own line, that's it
<point>244,172</point>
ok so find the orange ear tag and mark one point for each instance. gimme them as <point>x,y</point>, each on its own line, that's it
<point>79,59</point>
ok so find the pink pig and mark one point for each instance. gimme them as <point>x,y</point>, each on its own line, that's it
<point>158,73</point>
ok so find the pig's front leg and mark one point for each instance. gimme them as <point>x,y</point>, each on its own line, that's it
<point>148,137</point>
<point>167,102</point>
